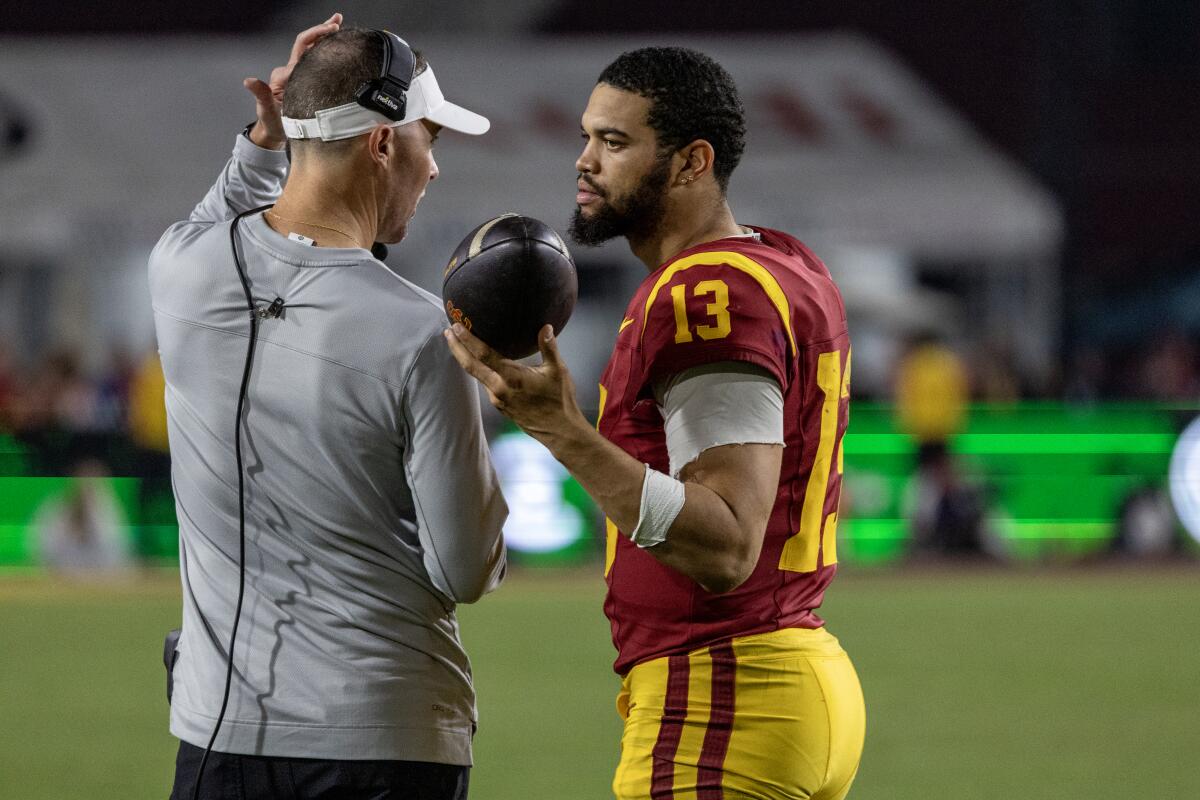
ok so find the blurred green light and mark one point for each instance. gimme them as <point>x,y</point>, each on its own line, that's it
<point>1015,443</point>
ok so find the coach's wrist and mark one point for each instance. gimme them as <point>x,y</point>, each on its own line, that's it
<point>260,136</point>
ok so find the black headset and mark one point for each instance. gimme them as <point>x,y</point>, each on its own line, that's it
<point>386,94</point>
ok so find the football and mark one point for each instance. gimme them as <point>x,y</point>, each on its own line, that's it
<point>509,277</point>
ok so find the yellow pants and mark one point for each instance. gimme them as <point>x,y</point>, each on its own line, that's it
<point>774,716</point>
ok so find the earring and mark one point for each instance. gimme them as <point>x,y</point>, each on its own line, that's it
<point>686,179</point>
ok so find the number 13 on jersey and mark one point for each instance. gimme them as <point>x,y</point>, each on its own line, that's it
<point>818,531</point>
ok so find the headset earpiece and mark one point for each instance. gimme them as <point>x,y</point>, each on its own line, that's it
<point>386,94</point>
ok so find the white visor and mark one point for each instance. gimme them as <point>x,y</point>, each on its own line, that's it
<point>424,100</point>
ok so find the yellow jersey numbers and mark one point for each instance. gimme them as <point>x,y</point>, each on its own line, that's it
<point>610,527</point>
<point>718,311</point>
<point>818,531</point>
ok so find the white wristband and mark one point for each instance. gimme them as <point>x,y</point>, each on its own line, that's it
<point>662,500</point>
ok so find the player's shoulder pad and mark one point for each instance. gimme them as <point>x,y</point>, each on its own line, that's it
<point>712,306</point>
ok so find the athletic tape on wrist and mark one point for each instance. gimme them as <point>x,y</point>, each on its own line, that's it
<point>662,500</point>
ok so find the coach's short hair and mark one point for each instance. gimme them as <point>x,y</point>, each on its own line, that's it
<point>331,71</point>
<point>691,97</point>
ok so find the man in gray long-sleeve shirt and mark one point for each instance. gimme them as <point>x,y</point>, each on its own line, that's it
<point>371,507</point>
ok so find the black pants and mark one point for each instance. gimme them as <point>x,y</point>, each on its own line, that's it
<point>235,777</point>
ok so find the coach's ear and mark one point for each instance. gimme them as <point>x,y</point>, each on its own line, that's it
<point>381,144</point>
<point>693,162</point>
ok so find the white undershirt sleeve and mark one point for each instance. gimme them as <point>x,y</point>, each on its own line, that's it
<point>717,404</point>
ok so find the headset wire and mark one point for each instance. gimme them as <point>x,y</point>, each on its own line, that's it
<point>237,448</point>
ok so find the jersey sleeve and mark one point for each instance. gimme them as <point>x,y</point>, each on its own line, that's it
<point>707,313</point>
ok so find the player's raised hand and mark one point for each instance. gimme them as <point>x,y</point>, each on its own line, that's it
<point>540,399</point>
<point>268,95</point>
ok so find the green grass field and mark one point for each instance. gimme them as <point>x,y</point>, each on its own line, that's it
<point>1058,684</point>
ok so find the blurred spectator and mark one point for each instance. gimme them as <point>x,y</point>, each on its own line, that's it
<point>147,425</point>
<point>58,395</point>
<point>1161,368</point>
<point>147,411</point>
<point>113,390</point>
<point>945,513</point>
<point>1146,525</point>
<point>1085,375</point>
<point>931,392</point>
<point>73,400</point>
<point>55,415</point>
<point>1169,371</point>
<point>82,529</point>
<point>8,386</point>
<point>997,378</point>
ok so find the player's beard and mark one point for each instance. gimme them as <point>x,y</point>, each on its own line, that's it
<point>634,215</point>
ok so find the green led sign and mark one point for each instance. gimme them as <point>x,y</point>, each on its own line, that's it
<point>1054,476</point>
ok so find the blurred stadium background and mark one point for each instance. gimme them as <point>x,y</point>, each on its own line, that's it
<point>1009,197</point>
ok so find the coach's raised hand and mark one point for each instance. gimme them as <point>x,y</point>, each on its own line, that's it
<point>268,96</point>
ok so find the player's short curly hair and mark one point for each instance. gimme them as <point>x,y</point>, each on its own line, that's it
<point>331,71</point>
<point>691,97</point>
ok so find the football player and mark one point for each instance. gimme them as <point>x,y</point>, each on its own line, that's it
<point>717,455</point>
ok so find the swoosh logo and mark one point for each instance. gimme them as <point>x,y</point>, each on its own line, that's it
<point>625,323</point>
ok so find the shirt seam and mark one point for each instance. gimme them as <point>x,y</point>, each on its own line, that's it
<point>652,371</point>
<point>828,727</point>
<point>288,258</point>
<point>265,340</point>
<point>301,263</point>
<point>418,509</point>
<point>459,730</point>
<point>408,373</point>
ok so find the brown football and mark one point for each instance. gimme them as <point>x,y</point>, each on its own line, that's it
<point>509,277</point>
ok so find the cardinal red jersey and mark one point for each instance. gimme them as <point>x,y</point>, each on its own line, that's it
<point>767,301</point>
